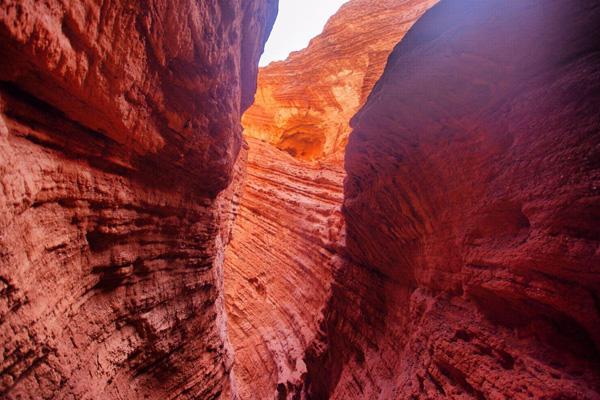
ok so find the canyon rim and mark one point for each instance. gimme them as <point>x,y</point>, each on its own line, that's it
<point>408,208</point>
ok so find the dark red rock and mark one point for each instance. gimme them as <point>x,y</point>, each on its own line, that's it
<point>119,132</point>
<point>472,210</point>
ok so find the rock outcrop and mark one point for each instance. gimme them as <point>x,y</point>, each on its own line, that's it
<point>458,260</point>
<point>304,104</point>
<point>119,132</point>
<point>471,208</point>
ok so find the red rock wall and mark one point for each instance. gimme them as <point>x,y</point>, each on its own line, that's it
<point>279,266</point>
<point>119,131</point>
<point>471,207</point>
<point>303,104</point>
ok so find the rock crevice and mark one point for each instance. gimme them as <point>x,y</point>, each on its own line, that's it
<point>288,240</point>
<point>443,245</point>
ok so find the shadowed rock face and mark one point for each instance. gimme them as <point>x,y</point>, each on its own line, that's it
<point>471,206</point>
<point>303,104</point>
<point>119,132</point>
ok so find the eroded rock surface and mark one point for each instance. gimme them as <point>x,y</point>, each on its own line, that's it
<point>119,132</point>
<point>464,264</point>
<point>471,207</point>
<point>279,266</point>
<point>304,104</point>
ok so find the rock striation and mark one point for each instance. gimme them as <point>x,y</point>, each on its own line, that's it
<point>453,255</point>
<point>119,135</point>
<point>278,267</point>
<point>303,104</point>
<point>471,210</point>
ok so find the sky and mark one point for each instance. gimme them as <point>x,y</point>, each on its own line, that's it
<point>298,21</point>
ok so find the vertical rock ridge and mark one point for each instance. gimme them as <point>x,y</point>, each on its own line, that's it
<point>278,267</point>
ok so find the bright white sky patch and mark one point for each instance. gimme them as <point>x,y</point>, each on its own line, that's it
<point>298,21</point>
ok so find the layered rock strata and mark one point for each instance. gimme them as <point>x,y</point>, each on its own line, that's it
<point>464,263</point>
<point>471,210</point>
<point>278,267</point>
<point>303,104</point>
<point>119,132</point>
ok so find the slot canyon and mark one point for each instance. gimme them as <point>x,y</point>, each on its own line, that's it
<point>407,208</point>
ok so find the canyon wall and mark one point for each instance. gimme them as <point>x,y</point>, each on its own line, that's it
<point>279,266</point>
<point>463,264</point>
<point>471,208</point>
<point>119,135</point>
<point>303,104</point>
<point>287,242</point>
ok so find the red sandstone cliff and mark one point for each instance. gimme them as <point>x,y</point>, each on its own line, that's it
<point>472,212</point>
<point>303,104</point>
<point>119,131</point>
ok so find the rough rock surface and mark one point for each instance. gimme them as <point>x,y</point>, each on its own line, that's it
<point>303,104</point>
<point>471,209</point>
<point>119,131</point>
<point>278,267</point>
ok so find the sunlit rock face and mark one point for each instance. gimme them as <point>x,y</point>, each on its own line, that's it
<point>303,104</point>
<point>119,132</point>
<point>471,207</point>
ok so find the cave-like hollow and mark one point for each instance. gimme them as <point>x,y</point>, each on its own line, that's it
<point>407,208</point>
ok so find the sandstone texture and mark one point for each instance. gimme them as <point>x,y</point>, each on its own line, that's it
<point>278,267</point>
<point>303,104</point>
<point>454,254</point>
<point>471,208</point>
<point>119,132</point>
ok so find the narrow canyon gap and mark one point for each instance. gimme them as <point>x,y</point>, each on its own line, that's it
<point>413,211</point>
<point>288,238</point>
